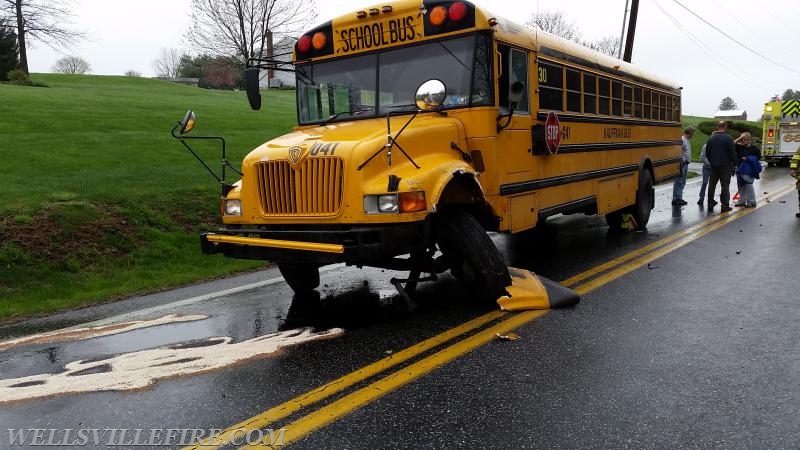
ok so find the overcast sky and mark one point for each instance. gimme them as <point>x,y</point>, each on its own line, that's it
<point>755,61</point>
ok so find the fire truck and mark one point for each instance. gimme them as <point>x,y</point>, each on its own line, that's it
<point>781,128</point>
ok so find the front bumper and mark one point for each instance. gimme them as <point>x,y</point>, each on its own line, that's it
<point>319,245</point>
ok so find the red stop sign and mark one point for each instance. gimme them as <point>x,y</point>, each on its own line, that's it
<point>552,137</point>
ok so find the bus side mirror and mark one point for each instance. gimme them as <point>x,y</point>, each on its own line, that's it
<point>430,95</point>
<point>515,95</point>
<point>187,124</point>
<point>251,86</point>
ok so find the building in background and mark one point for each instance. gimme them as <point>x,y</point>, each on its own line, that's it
<point>279,78</point>
<point>736,114</point>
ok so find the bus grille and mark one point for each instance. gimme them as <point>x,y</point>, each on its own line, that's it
<point>315,188</point>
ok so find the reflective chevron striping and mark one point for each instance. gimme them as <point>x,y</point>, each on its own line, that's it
<point>790,108</point>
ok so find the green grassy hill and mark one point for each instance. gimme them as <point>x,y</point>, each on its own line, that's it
<point>700,138</point>
<point>98,199</point>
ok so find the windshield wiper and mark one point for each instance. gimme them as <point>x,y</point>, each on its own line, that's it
<point>354,111</point>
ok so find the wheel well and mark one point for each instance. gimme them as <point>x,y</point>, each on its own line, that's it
<point>464,192</point>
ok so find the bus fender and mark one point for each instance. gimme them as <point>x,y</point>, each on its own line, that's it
<point>457,184</point>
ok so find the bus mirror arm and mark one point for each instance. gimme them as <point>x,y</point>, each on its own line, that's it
<point>391,142</point>
<point>507,117</point>
<point>226,187</point>
<point>514,96</point>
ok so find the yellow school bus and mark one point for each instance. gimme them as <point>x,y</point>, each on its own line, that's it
<point>423,124</point>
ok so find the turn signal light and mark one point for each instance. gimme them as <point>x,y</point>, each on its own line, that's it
<point>412,201</point>
<point>438,16</point>
<point>320,40</point>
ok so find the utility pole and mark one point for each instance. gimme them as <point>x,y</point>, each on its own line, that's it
<point>622,33</point>
<point>631,31</point>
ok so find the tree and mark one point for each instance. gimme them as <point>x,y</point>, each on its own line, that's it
<point>167,65</point>
<point>192,67</point>
<point>133,73</point>
<point>243,29</point>
<point>9,50</point>
<point>727,104</point>
<point>790,95</point>
<point>43,21</point>
<point>71,64</point>
<point>555,22</point>
<point>608,45</point>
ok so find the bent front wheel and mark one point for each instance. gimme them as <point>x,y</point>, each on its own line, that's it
<point>471,255</point>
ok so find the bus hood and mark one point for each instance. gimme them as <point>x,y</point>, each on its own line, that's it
<point>357,141</point>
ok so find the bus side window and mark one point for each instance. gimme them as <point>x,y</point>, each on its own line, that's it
<point>519,74</point>
<point>551,86</point>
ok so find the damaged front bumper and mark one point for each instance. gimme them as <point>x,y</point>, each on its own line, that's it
<point>318,245</point>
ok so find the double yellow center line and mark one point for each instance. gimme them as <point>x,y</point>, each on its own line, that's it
<point>597,277</point>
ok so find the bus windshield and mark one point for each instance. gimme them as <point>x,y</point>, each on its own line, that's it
<point>379,83</point>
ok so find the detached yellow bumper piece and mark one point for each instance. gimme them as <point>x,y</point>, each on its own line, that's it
<point>275,243</point>
<point>529,291</point>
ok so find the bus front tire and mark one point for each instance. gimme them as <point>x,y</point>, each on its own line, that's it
<point>471,255</point>
<point>301,277</point>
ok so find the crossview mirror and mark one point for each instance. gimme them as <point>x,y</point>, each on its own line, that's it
<point>251,75</point>
<point>430,95</point>
<point>187,123</point>
<point>515,95</point>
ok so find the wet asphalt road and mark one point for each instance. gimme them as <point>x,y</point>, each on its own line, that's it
<point>697,349</point>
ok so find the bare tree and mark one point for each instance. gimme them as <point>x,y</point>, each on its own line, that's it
<point>555,22</point>
<point>44,21</point>
<point>168,64</point>
<point>609,45</point>
<point>242,29</point>
<point>133,73</point>
<point>71,64</point>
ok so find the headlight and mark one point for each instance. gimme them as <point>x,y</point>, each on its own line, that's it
<point>403,202</point>
<point>233,207</point>
<point>388,203</point>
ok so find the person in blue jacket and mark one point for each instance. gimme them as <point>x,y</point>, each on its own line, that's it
<point>746,172</point>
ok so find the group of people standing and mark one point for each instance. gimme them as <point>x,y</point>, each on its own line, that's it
<point>722,158</point>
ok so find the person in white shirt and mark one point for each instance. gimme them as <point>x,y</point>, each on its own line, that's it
<point>680,182</point>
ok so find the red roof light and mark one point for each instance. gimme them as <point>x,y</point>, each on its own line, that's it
<point>304,44</point>
<point>457,11</point>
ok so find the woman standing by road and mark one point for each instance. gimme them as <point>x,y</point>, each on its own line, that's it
<point>747,154</point>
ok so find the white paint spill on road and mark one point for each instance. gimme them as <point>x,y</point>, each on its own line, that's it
<point>75,334</point>
<point>137,370</point>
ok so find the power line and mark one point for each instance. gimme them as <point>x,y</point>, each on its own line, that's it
<point>744,25</point>
<point>734,40</point>
<point>707,50</point>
